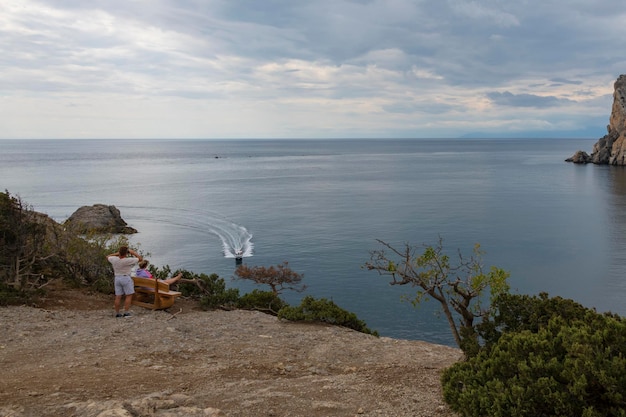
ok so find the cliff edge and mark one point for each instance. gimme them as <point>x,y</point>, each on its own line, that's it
<point>70,357</point>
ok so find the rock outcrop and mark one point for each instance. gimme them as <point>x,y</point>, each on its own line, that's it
<point>580,157</point>
<point>98,218</point>
<point>611,148</point>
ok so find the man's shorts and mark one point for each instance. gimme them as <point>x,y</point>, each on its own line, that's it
<point>124,285</point>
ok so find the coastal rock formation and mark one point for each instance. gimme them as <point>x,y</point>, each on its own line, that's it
<point>580,157</point>
<point>610,149</point>
<point>98,218</point>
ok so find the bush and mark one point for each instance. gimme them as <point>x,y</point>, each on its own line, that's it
<point>266,301</point>
<point>104,285</point>
<point>543,357</point>
<point>10,295</point>
<point>210,289</point>
<point>82,259</point>
<point>325,311</point>
<point>226,299</point>
<point>23,245</point>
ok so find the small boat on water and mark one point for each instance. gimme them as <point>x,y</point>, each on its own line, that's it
<point>238,257</point>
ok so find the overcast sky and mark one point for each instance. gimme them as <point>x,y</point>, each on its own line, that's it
<point>308,69</point>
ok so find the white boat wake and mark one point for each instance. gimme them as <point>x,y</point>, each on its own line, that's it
<point>235,239</point>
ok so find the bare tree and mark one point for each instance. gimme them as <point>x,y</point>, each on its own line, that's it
<point>459,289</point>
<point>278,278</point>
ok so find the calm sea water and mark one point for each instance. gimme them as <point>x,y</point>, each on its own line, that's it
<point>321,205</point>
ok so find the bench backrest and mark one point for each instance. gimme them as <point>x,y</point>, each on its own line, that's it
<point>155,284</point>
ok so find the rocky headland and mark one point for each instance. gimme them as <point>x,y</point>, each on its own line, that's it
<point>611,148</point>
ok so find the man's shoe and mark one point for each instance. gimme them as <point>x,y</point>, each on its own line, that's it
<point>127,315</point>
<point>118,315</point>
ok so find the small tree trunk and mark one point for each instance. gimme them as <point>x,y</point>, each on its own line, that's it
<point>449,316</point>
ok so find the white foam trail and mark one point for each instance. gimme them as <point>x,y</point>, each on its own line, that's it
<point>234,238</point>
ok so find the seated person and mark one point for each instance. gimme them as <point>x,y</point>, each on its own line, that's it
<point>143,272</point>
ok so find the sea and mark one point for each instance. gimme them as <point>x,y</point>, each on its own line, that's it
<point>323,205</point>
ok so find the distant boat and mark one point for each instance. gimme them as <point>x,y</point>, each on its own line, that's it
<point>238,257</point>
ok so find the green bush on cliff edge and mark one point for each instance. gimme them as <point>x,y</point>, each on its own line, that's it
<point>543,357</point>
<point>324,311</point>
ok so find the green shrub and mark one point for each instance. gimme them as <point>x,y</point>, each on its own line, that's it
<point>325,311</point>
<point>165,272</point>
<point>104,285</point>
<point>226,299</point>
<point>10,295</point>
<point>265,301</point>
<point>516,313</point>
<point>210,289</point>
<point>543,357</point>
<point>81,259</point>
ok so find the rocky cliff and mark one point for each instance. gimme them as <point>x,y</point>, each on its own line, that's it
<point>611,148</point>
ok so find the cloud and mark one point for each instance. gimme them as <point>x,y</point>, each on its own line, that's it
<point>558,81</point>
<point>525,100</point>
<point>327,68</point>
<point>484,12</point>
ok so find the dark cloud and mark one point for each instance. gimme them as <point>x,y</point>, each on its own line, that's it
<point>525,100</point>
<point>560,81</point>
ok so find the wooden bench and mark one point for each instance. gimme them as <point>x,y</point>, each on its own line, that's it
<point>153,294</point>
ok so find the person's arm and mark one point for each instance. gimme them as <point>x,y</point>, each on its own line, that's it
<point>136,255</point>
<point>113,254</point>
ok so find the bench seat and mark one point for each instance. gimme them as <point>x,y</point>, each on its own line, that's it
<point>153,294</point>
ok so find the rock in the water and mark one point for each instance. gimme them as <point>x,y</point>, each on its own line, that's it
<point>98,218</point>
<point>580,157</point>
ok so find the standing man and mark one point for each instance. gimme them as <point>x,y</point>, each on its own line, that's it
<point>122,266</point>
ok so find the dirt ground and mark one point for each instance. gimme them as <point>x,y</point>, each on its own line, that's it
<point>68,356</point>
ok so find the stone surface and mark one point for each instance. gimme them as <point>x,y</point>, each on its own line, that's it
<point>580,157</point>
<point>98,218</point>
<point>68,356</point>
<point>611,148</point>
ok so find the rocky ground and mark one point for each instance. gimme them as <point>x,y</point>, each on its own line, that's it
<point>68,356</point>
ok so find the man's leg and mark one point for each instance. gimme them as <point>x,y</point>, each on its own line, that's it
<point>127,301</point>
<point>118,302</point>
<point>128,290</point>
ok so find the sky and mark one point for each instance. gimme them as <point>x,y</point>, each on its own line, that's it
<point>308,69</point>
